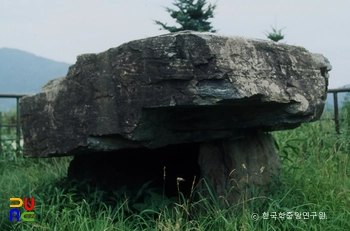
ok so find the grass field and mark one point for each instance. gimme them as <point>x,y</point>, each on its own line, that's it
<point>315,180</point>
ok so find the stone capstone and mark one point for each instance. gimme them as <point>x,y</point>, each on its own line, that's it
<point>175,88</point>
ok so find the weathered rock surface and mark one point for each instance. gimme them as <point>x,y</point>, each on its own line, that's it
<point>233,167</point>
<point>175,88</point>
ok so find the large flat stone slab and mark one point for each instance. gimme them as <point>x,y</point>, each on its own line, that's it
<point>176,88</point>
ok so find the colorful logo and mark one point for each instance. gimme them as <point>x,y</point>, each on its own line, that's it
<point>25,216</point>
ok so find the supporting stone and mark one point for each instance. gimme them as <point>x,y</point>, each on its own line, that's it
<point>234,168</point>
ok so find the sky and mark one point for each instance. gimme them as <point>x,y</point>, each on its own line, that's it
<point>62,30</point>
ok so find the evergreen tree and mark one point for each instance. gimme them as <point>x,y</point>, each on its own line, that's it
<point>190,15</point>
<point>275,35</point>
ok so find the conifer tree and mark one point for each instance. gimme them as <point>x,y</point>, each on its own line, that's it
<point>275,35</point>
<point>191,15</point>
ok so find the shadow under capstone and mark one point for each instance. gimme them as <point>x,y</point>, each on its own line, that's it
<point>135,167</point>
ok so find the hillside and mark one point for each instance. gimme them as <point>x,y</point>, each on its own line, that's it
<point>24,73</point>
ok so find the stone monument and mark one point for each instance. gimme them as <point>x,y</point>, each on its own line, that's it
<point>217,93</point>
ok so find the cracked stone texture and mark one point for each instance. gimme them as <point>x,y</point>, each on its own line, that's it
<point>176,88</point>
<point>235,168</point>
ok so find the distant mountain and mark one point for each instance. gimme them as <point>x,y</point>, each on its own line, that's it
<point>25,73</point>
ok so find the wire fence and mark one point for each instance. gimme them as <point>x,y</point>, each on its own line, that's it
<point>17,123</point>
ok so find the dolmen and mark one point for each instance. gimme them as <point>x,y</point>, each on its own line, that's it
<point>178,105</point>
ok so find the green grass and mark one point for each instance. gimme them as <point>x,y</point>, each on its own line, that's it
<point>314,178</point>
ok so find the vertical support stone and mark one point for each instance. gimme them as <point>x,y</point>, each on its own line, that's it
<point>234,167</point>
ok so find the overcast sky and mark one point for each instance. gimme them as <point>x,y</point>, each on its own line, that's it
<point>61,30</point>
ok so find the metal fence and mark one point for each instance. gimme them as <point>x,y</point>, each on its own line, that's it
<point>336,106</point>
<point>17,125</point>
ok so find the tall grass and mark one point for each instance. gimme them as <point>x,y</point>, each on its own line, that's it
<point>314,179</point>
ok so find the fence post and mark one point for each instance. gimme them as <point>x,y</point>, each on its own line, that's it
<point>18,129</point>
<point>336,119</point>
<point>0,133</point>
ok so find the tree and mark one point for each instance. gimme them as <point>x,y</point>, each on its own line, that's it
<point>275,35</point>
<point>190,15</point>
